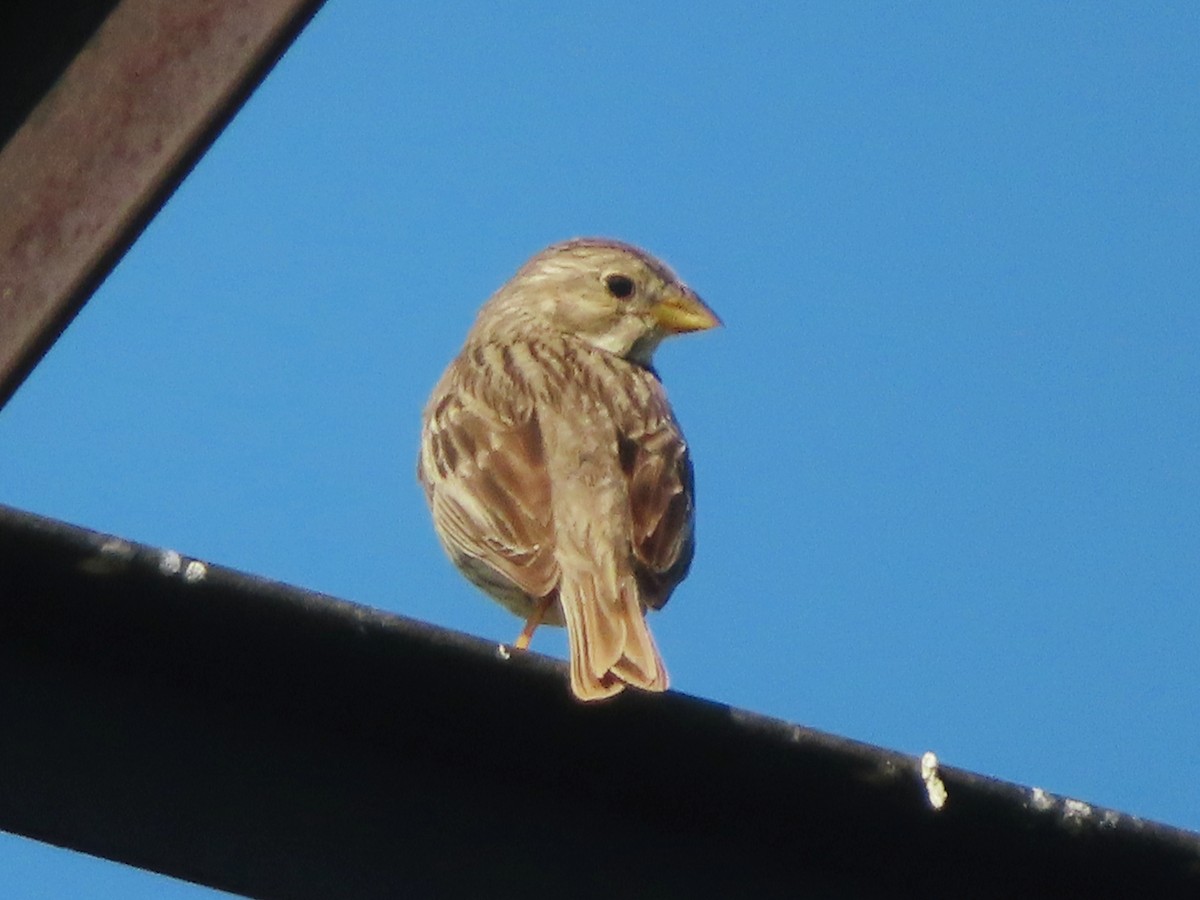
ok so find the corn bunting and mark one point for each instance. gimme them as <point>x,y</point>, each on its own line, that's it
<point>558,478</point>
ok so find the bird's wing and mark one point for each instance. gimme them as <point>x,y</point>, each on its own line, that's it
<point>483,471</point>
<point>654,457</point>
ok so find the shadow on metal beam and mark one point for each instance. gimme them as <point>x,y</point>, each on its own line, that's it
<point>269,741</point>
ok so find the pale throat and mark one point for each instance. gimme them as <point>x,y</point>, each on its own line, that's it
<point>630,339</point>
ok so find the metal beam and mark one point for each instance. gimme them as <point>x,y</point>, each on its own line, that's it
<point>269,741</point>
<point>110,140</point>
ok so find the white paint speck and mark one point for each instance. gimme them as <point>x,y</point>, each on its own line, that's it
<point>1041,800</point>
<point>1076,810</point>
<point>194,571</point>
<point>111,557</point>
<point>170,562</point>
<point>115,547</point>
<point>502,651</point>
<point>935,788</point>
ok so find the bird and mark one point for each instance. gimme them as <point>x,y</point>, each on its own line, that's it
<point>557,476</point>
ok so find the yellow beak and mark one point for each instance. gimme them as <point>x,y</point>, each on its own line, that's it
<point>680,311</point>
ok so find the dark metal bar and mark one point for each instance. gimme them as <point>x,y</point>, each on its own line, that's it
<point>110,140</point>
<point>269,741</point>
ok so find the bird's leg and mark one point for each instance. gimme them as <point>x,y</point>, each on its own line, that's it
<point>534,620</point>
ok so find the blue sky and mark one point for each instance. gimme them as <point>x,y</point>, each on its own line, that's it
<point>947,446</point>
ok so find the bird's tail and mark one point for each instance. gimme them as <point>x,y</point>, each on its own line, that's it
<point>611,645</point>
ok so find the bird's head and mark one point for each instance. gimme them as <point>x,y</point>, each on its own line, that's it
<point>611,295</point>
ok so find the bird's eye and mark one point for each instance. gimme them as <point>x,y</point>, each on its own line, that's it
<point>620,286</point>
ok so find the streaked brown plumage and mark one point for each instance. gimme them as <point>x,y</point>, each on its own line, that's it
<point>558,478</point>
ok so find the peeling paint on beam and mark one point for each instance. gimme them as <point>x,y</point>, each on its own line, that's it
<point>110,141</point>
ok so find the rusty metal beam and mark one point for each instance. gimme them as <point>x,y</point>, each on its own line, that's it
<point>108,143</point>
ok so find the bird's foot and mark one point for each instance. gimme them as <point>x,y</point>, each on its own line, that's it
<point>532,623</point>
